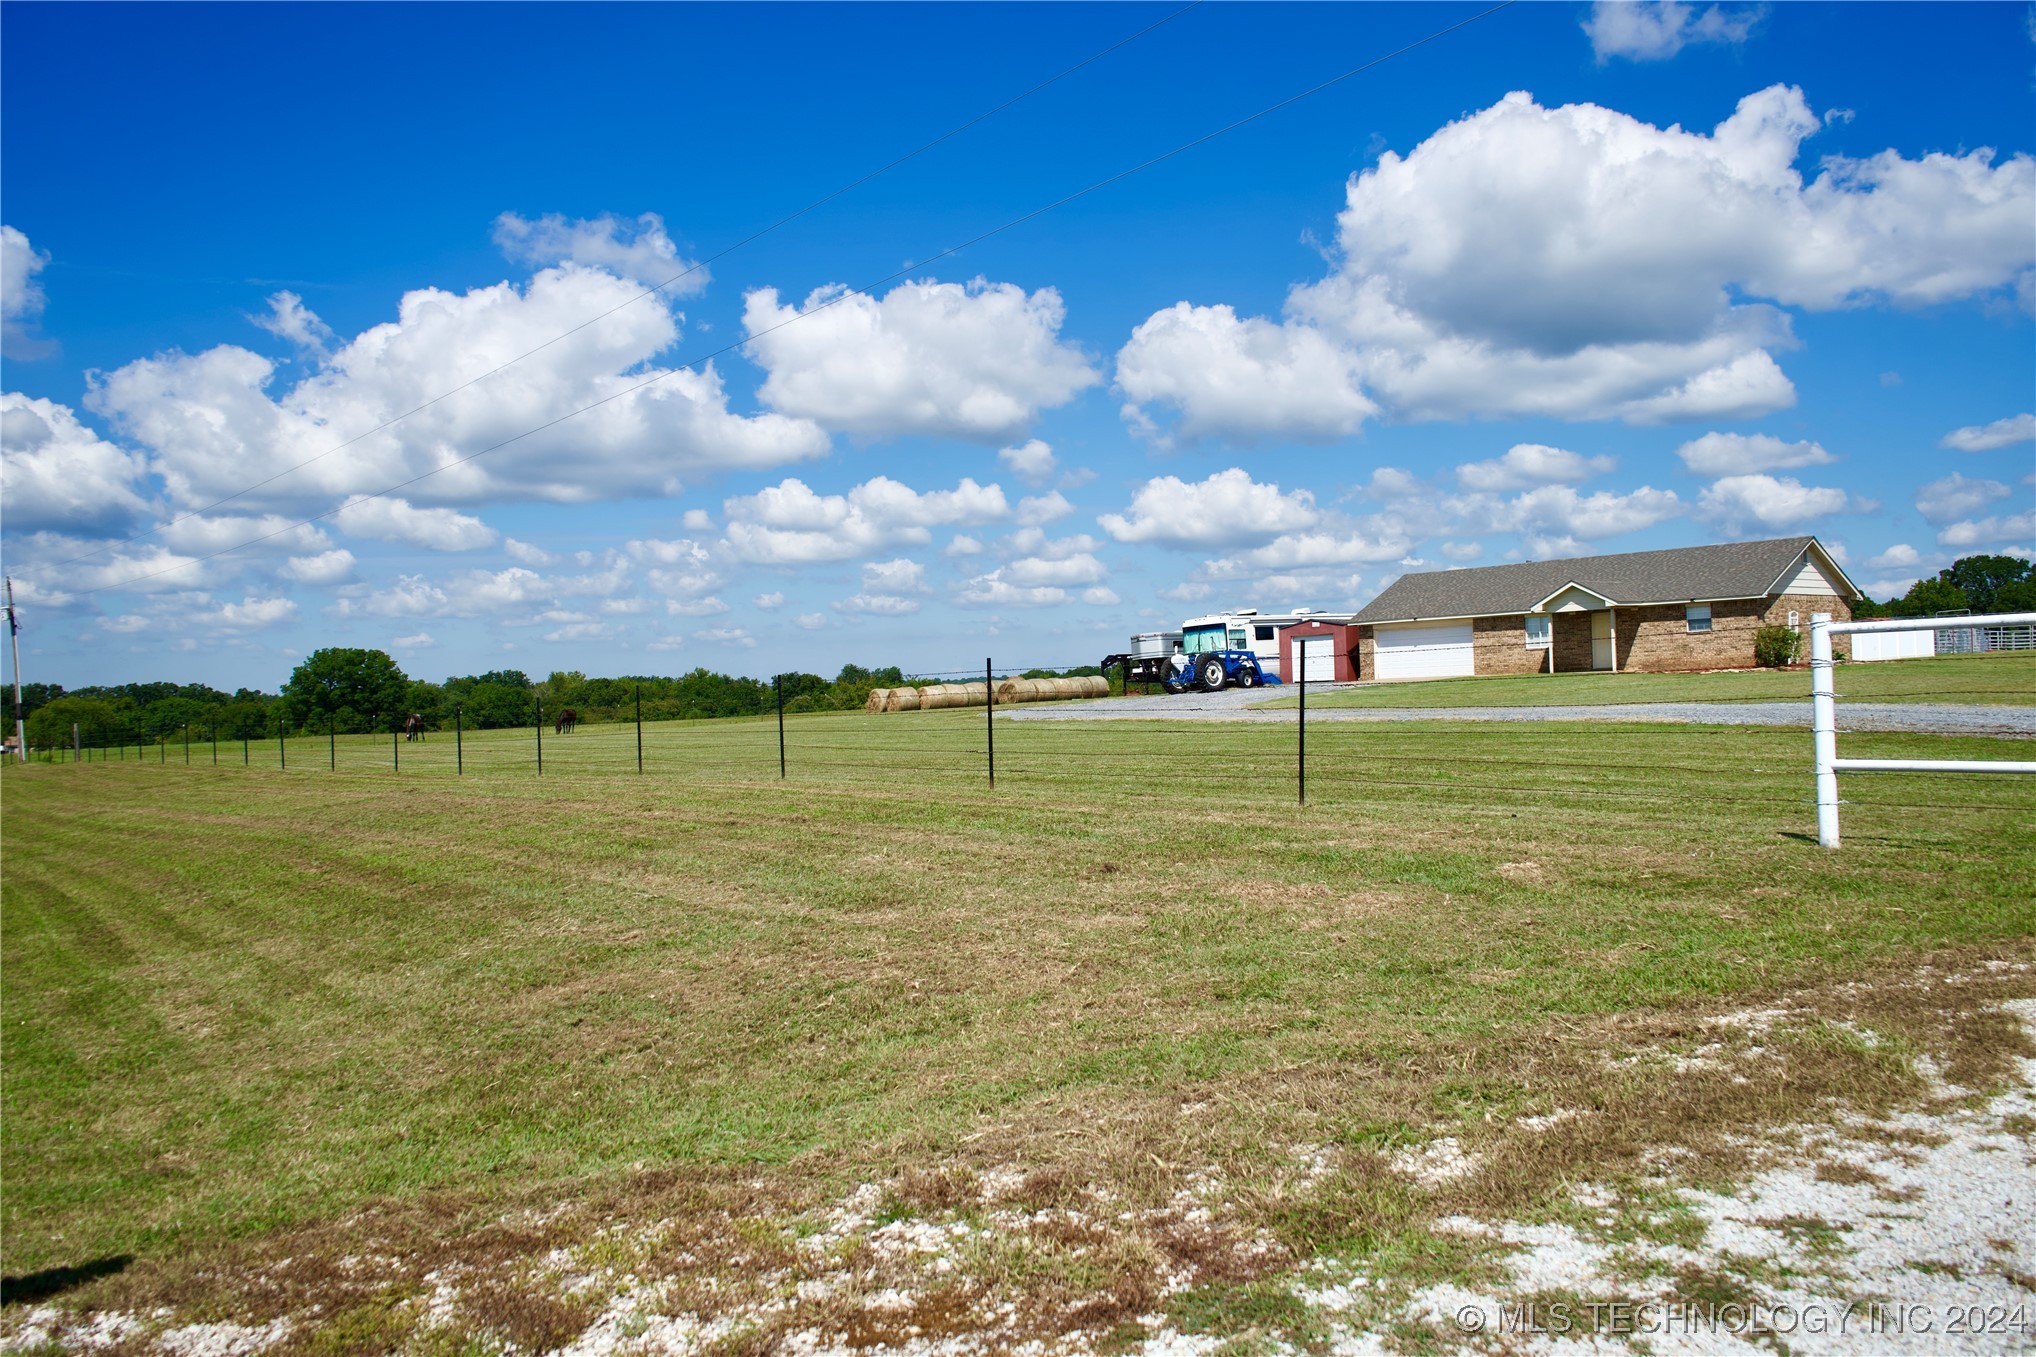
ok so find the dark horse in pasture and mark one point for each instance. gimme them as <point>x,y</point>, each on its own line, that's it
<point>413,727</point>
<point>567,719</point>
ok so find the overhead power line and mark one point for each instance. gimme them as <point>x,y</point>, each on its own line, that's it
<point>651,291</point>
<point>865,290</point>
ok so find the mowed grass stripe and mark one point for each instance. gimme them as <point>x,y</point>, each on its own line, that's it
<point>236,1000</point>
<point>1999,678</point>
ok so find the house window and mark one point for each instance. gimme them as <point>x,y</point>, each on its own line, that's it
<point>1699,615</point>
<point>1537,631</point>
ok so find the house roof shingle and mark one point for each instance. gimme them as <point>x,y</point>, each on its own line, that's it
<point>1729,570</point>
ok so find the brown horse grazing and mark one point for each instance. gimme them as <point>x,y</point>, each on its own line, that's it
<point>413,727</point>
<point>567,719</point>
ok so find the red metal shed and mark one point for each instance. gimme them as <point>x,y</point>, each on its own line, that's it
<point>1331,649</point>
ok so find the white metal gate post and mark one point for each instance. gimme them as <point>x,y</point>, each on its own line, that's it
<point>1824,714</point>
<point>1824,722</point>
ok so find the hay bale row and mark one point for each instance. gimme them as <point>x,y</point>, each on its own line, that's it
<point>938,695</point>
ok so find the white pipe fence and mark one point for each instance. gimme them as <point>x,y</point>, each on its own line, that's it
<point>1824,714</point>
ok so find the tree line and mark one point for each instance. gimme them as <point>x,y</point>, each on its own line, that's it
<point>1972,584</point>
<point>356,691</point>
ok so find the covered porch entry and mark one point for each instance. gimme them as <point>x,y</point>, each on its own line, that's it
<point>1583,630</point>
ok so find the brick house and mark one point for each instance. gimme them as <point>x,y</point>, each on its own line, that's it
<point>1680,609</point>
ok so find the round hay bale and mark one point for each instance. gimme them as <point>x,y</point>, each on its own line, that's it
<point>902,699</point>
<point>1095,685</point>
<point>1018,690</point>
<point>972,694</point>
<point>876,700</point>
<point>935,696</point>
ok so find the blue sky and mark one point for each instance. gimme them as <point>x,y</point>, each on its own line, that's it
<point>1571,279</point>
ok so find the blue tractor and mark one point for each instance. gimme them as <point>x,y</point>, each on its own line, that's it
<point>1214,670</point>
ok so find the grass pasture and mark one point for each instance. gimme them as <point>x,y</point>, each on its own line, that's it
<point>249,1013</point>
<point>2005,678</point>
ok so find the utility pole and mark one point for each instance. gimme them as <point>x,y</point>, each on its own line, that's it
<point>14,636</point>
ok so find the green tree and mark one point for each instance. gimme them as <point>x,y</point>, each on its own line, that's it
<point>98,722</point>
<point>357,690</point>
<point>166,717</point>
<point>1927,598</point>
<point>244,718</point>
<point>33,695</point>
<point>1983,578</point>
<point>493,706</point>
<point>2019,597</point>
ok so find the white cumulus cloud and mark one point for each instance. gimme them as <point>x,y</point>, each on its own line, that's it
<point>1031,461</point>
<point>638,250</point>
<point>525,552</point>
<point>289,319</point>
<point>1733,454</point>
<point>213,425</point>
<point>1986,437</point>
<point>976,361</point>
<point>994,590</point>
<point>902,576</point>
<point>1651,30</point>
<point>2001,531</point>
<point>1736,503</point>
<point>1227,509</point>
<point>1239,379</point>
<point>1956,496</point>
<point>21,297</point>
<point>250,614</point>
<point>1900,556</point>
<point>58,473</point>
<point>1527,464</point>
<point>1554,519</point>
<point>388,519</point>
<point>1034,510</point>
<point>326,567</point>
<point>790,524</point>
<point>1578,263</point>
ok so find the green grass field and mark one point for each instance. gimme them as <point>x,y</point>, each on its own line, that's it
<point>2007,678</point>
<point>239,1001</point>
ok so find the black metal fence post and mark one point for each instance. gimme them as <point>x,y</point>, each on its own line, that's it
<point>74,742</point>
<point>163,750</point>
<point>245,758</point>
<point>778,685</point>
<point>1301,755</point>
<point>459,742</point>
<point>639,728</point>
<point>282,753</point>
<point>990,716</point>
<point>187,744</point>
<point>540,737</point>
<point>395,751</point>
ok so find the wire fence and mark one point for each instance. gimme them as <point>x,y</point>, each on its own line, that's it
<point>1654,768</point>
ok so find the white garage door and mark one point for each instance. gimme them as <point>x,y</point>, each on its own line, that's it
<point>1318,659</point>
<point>1438,650</point>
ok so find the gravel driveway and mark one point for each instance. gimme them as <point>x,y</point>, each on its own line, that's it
<point>1236,704</point>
